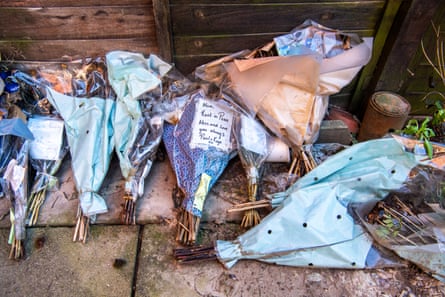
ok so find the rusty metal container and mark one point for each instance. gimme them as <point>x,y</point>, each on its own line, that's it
<point>386,112</point>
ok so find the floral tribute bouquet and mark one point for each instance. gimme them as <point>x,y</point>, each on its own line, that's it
<point>199,147</point>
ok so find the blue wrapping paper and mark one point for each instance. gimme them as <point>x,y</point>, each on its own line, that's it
<point>191,163</point>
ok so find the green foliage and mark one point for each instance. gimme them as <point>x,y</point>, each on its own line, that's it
<point>390,227</point>
<point>421,132</point>
<point>439,114</point>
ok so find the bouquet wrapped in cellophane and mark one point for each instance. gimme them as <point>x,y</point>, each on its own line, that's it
<point>49,147</point>
<point>130,76</point>
<point>87,109</point>
<point>47,152</point>
<point>14,147</point>
<point>199,147</point>
<point>138,121</point>
<point>254,146</point>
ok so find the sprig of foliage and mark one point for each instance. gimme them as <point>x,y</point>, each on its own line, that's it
<point>390,227</point>
<point>421,132</point>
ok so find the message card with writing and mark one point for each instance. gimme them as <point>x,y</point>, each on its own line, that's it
<point>212,126</point>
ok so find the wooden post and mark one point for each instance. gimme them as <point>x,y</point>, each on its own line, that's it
<point>161,10</point>
<point>399,50</point>
<point>380,39</point>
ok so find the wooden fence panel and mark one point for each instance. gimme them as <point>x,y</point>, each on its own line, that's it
<point>52,30</point>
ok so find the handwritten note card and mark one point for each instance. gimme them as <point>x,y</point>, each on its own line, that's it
<point>48,135</point>
<point>211,126</point>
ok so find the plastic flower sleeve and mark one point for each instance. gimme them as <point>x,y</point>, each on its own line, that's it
<point>343,55</point>
<point>279,90</point>
<point>89,130</point>
<point>312,225</point>
<point>254,146</point>
<point>175,91</point>
<point>165,102</point>
<point>199,147</point>
<point>130,76</point>
<point>141,156</point>
<point>310,37</point>
<point>87,112</point>
<point>14,140</point>
<point>410,220</point>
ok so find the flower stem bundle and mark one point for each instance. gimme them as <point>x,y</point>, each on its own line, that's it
<point>128,211</point>
<point>188,226</point>
<point>253,150</point>
<point>303,161</point>
<point>82,226</point>
<point>44,180</point>
<point>251,216</point>
<point>16,251</point>
<point>35,202</point>
<point>199,147</point>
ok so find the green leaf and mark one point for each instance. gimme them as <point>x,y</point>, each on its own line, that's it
<point>388,222</point>
<point>428,148</point>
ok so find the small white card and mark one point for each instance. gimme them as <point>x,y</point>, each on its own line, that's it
<point>212,126</point>
<point>48,137</point>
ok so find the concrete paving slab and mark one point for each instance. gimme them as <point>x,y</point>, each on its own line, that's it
<point>159,274</point>
<point>56,266</point>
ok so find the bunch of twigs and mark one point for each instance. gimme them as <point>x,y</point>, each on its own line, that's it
<point>195,254</point>
<point>252,162</point>
<point>82,226</point>
<point>188,227</point>
<point>439,56</point>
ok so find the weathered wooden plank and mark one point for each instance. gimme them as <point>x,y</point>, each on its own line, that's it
<point>406,71</point>
<point>258,2</point>
<point>394,72</point>
<point>362,93</point>
<point>424,79</point>
<point>341,99</point>
<point>161,11</point>
<point>71,3</point>
<point>186,64</point>
<point>226,44</point>
<point>259,18</point>
<point>56,50</point>
<point>418,106</point>
<point>223,45</point>
<point>77,23</point>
